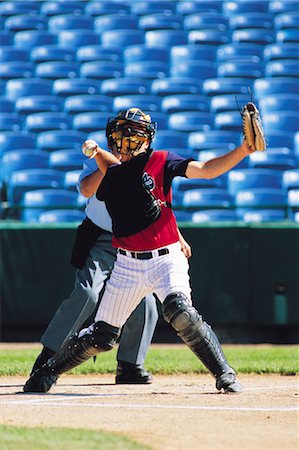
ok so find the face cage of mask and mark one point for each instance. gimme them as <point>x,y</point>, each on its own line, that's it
<point>128,133</point>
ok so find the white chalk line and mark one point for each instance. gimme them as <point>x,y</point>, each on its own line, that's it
<point>155,406</point>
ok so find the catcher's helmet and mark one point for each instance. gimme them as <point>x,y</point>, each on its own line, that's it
<point>129,130</point>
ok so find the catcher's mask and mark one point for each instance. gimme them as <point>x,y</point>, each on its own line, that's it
<point>129,130</point>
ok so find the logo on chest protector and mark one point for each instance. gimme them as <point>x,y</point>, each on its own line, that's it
<point>148,181</point>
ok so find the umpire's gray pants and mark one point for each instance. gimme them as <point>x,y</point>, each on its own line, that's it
<point>80,305</point>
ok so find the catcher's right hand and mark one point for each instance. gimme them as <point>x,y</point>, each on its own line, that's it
<point>252,128</point>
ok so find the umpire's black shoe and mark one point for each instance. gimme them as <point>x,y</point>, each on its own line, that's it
<point>229,383</point>
<point>41,380</point>
<point>42,358</point>
<point>127,373</point>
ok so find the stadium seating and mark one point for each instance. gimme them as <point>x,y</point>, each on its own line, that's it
<point>184,102</point>
<point>54,70</point>
<point>264,215</point>
<point>77,38</point>
<point>279,102</point>
<point>10,121</point>
<point>228,120</point>
<point>193,7</point>
<point>127,85</point>
<point>61,215</point>
<point>145,102</point>
<point>98,53</point>
<point>241,69</point>
<point>160,22</point>
<point>293,199</point>
<point>115,22</point>
<point>53,8</point>
<point>215,215</point>
<point>89,122</point>
<point>22,87</point>
<point>288,35</point>
<point>282,68</point>
<point>222,103</point>
<point>239,51</point>
<point>189,52</point>
<point>22,159</point>
<point>170,138</point>
<point>231,8</point>
<point>260,198</point>
<point>71,178</point>
<point>254,36</point>
<point>281,50</point>
<point>106,7</point>
<point>38,103</point>
<point>23,22</point>
<point>213,139</point>
<point>45,53</point>
<point>69,22</point>
<point>251,20</point>
<point>190,120</point>
<point>166,38</point>
<point>15,140</point>
<point>209,37</point>
<point>206,198</point>
<point>43,121</point>
<point>122,37</point>
<point>275,85</point>
<point>193,69</point>
<point>205,20</point>
<point>290,179</point>
<point>76,86</point>
<point>101,70</point>
<point>281,6</point>
<point>12,8</point>
<point>227,85</point>
<point>239,180</point>
<point>147,69</point>
<point>269,160</point>
<point>175,85</point>
<point>282,120</point>
<point>66,160</point>
<point>141,53</point>
<point>76,104</point>
<point>31,38</point>
<point>159,7</point>
<point>6,105</point>
<point>57,140</point>
<point>10,53</point>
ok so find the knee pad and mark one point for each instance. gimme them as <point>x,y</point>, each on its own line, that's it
<point>104,336</point>
<point>178,311</point>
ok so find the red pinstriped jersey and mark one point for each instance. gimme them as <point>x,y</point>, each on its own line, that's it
<point>158,173</point>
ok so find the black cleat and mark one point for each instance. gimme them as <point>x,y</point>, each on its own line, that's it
<point>41,380</point>
<point>127,373</point>
<point>229,383</point>
<point>42,358</point>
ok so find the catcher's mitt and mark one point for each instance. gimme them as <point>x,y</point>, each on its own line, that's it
<point>252,127</point>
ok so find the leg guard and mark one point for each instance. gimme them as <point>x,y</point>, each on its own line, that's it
<point>77,350</point>
<point>196,333</point>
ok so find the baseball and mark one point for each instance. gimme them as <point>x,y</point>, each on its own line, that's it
<point>89,147</point>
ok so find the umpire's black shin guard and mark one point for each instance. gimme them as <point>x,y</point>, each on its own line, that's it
<point>196,333</point>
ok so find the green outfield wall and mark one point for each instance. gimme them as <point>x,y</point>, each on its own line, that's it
<point>245,279</point>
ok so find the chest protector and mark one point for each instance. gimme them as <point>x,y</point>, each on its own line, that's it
<point>129,202</point>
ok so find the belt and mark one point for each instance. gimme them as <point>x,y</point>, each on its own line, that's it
<point>143,255</point>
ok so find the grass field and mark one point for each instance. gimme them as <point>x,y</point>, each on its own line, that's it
<point>258,359</point>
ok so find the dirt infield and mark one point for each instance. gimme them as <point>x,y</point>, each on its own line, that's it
<point>174,413</point>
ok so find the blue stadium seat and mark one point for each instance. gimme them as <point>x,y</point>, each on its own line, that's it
<point>10,121</point>
<point>206,20</point>
<point>193,69</point>
<point>45,53</point>
<point>251,20</point>
<point>212,139</point>
<point>183,216</point>
<point>71,178</point>
<point>258,36</point>
<point>38,103</point>
<point>190,120</point>
<point>95,8</point>
<point>206,155</point>
<point>193,7</point>
<point>147,69</point>
<point>279,102</point>
<point>281,6</point>
<point>189,52</point>
<point>184,102</point>
<point>16,69</point>
<point>275,85</point>
<point>76,86</point>
<point>122,37</point>
<point>44,121</point>
<point>282,120</point>
<point>57,140</point>
<point>159,7</point>
<point>32,38</point>
<point>287,20</point>
<point>23,159</point>
<point>98,53</point>
<point>215,215</point>
<point>281,50</point>
<point>76,104</point>
<point>264,215</point>
<point>181,184</point>
<point>170,138</point>
<point>267,160</point>
<point>278,138</point>
<point>260,198</point>
<point>12,8</point>
<point>138,53</point>
<point>241,69</point>
<point>239,51</point>
<point>10,53</point>
<point>147,103</point>
<point>166,38</point>
<point>115,22</point>
<point>209,37</point>
<point>25,22</point>
<point>6,105</point>
<point>66,160</point>
<point>160,22</point>
<point>69,22</point>
<point>296,216</point>
<point>206,198</point>
<point>38,201</point>
<point>282,68</point>
<point>226,85</point>
<point>243,179</point>
<point>2,87</point>
<point>53,8</point>
<point>161,118</point>
<point>29,179</point>
<point>90,121</point>
<point>236,7</point>
<point>222,103</point>
<point>173,86</point>
<point>6,37</point>
<point>228,120</point>
<point>78,38</point>
<point>101,70</point>
<point>288,35</point>
<point>293,199</point>
<point>53,70</point>
<point>125,86</point>
<point>15,140</point>
<point>290,179</point>
<point>61,216</point>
